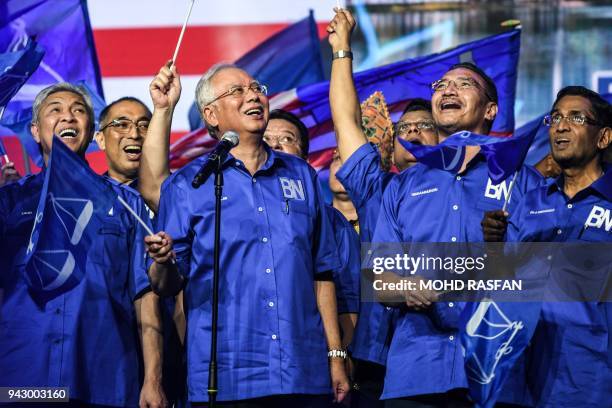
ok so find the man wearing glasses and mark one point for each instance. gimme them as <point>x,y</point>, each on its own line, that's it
<point>570,356</point>
<point>123,128</point>
<point>278,329</point>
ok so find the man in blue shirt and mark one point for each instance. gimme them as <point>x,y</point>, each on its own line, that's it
<point>86,339</point>
<point>362,176</point>
<point>569,361</point>
<point>423,204</point>
<point>277,254</point>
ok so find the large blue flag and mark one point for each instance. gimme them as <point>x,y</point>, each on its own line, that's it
<point>493,336</point>
<point>72,206</point>
<point>286,60</point>
<point>16,68</point>
<point>504,155</point>
<point>63,31</point>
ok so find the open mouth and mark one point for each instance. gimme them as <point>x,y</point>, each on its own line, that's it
<point>68,133</point>
<point>133,151</point>
<point>450,105</point>
<point>561,142</point>
<point>256,112</point>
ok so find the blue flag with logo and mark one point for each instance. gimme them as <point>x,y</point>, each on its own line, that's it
<point>62,29</point>
<point>493,336</point>
<point>70,211</point>
<point>16,68</point>
<point>504,155</point>
<point>286,60</point>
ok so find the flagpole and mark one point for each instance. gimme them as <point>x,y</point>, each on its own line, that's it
<point>131,211</point>
<point>6,158</point>
<point>509,192</point>
<point>180,40</point>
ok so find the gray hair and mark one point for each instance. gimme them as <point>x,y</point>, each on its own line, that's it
<point>205,93</point>
<point>64,87</point>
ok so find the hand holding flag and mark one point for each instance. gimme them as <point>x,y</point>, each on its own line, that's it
<point>165,89</point>
<point>159,247</point>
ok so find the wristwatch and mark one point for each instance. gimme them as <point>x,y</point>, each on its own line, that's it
<point>342,54</point>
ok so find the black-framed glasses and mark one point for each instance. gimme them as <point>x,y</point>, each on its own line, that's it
<point>284,140</point>
<point>240,90</point>
<point>462,83</point>
<point>401,128</point>
<point>574,118</point>
<point>124,126</point>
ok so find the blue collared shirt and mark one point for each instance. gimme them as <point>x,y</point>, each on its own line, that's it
<point>85,339</point>
<point>425,204</point>
<point>275,239</point>
<point>365,181</point>
<point>347,276</point>
<point>570,360</point>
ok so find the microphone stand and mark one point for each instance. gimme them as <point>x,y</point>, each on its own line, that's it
<point>212,366</point>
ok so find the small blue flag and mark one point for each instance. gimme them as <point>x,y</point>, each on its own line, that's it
<point>493,336</point>
<point>505,155</point>
<point>70,212</point>
<point>286,60</point>
<point>16,68</point>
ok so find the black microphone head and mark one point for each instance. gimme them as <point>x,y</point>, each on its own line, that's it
<point>231,137</point>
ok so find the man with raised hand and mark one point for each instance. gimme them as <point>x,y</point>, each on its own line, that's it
<point>570,351</point>
<point>277,305</point>
<point>365,181</point>
<point>57,342</point>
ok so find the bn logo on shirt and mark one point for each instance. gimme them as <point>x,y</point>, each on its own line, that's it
<point>599,217</point>
<point>292,189</point>
<point>496,191</point>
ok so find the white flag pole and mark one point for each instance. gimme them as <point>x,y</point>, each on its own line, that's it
<point>180,40</point>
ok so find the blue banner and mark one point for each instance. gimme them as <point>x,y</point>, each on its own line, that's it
<point>72,206</point>
<point>16,68</point>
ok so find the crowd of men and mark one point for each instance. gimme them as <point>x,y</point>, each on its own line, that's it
<point>292,329</point>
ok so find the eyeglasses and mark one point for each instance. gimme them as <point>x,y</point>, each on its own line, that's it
<point>285,140</point>
<point>401,128</point>
<point>461,83</point>
<point>125,126</point>
<point>240,90</point>
<point>574,118</point>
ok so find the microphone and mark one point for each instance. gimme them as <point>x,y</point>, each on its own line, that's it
<point>228,141</point>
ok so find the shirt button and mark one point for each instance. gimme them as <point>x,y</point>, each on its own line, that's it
<point>454,239</point>
<point>274,337</point>
<point>254,180</point>
<point>260,209</point>
<point>271,304</point>
<point>264,239</point>
<point>458,178</point>
<point>569,206</point>
<point>455,207</point>
<point>451,304</point>
<point>268,270</point>
<point>451,338</point>
<point>559,232</point>
<point>237,163</point>
<point>549,257</point>
<point>388,308</point>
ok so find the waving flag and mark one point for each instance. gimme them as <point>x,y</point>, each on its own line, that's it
<point>493,337</point>
<point>286,60</point>
<point>16,68</point>
<point>399,82</point>
<point>63,31</point>
<point>70,212</point>
<point>504,155</point>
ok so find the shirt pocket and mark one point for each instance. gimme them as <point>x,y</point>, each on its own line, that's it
<point>110,257</point>
<point>298,217</point>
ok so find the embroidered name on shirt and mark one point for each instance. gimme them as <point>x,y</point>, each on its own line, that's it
<point>292,189</point>
<point>496,191</point>
<point>536,212</point>
<point>428,191</point>
<point>26,213</point>
<point>599,217</point>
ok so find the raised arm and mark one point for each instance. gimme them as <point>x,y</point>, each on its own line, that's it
<point>345,109</point>
<point>165,92</point>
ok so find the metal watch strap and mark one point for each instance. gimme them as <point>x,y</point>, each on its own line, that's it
<point>342,54</point>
